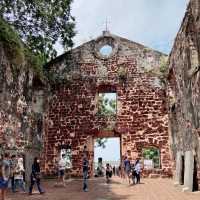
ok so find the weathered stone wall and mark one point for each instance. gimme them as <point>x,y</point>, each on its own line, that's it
<point>20,121</point>
<point>184,95</point>
<point>72,117</point>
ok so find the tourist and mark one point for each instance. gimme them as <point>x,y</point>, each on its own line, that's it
<point>114,170</point>
<point>133,173</point>
<point>137,170</point>
<point>18,174</point>
<point>108,172</point>
<point>127,168</point>
<point>120,171</point>
<point>13,163</point>
<point>35,176</point>
<point>85,172</point>
<point>61,169</point>
<point>4,175</point>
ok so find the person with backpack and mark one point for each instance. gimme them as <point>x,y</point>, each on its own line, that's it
<point>35,176</point>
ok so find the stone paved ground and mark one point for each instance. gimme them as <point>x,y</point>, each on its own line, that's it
<point>150,189</point>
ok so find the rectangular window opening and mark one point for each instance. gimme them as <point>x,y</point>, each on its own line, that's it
<point>151,158</point>
<point>107,104</point>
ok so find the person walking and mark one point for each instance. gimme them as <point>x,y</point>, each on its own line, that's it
<point>13,163</point>
<point>114,171</point>
<point>137,171</point>
<point>35,176</point>
<point>120,171</point>
<point>18,175</point>
<point>4,175</point>
<point>108,172</point>
<point>133,173</point>
<point>85,173</point>
<point>127,168</point>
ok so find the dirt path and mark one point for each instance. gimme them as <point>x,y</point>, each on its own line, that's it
<point>149,189</point>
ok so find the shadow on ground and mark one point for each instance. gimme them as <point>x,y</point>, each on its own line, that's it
<point>118,189</point>
<point>98,190</point>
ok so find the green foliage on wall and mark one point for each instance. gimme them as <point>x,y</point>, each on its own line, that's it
<point>41,24</point>
<point>107,106</point>
<point>152,154</point>
<point>101,142</point>
<point>19,55</point>
<point>11,43</point>
<point>163,64</point>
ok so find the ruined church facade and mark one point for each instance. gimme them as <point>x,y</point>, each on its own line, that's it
<point>132,72</point>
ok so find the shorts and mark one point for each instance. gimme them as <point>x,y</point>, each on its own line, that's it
<point>127,170</point>
<point>61,172</point>
<point>3,183</point>
<point>108,174</point>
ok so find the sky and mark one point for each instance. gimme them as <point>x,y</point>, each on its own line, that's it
<point>110,153</point>
<point>153,23</point>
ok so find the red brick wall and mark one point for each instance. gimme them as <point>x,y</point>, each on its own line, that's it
<point>141,112</point>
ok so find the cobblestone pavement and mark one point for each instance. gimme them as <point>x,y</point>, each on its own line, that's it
<point>149,189</point>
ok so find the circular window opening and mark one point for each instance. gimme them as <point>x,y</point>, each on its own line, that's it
<point>106,50</point>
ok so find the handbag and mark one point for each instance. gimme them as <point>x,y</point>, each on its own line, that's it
<point>37,175</point>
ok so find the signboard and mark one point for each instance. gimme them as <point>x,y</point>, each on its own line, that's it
<point>148,164</point>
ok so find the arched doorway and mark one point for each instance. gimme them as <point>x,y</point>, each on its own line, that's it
<point>195,176</point>
<point>182,170</point>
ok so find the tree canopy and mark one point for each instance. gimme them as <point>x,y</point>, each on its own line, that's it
<point>107,106</point>
<point>41,24</point>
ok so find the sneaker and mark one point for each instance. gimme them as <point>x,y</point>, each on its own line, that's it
<point>42,192</point>
<point>86,190</point>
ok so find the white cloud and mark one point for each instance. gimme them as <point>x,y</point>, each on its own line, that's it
<point>154,23</point>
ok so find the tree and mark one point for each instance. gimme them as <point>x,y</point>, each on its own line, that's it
<point>41,24</point>
<point>101,142</point>
<point>107,106</point>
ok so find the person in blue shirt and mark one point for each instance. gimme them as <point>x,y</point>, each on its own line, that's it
<point>127,168</point>
<point>4,175</point>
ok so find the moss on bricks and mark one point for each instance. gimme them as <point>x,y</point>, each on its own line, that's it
<point>19,55</point>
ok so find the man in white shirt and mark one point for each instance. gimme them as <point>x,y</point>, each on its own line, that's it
<point>61,169</point>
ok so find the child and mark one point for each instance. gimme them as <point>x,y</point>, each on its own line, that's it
<point>108,172</point>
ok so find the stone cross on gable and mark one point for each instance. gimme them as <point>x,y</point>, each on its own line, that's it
<point>107,23</point>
